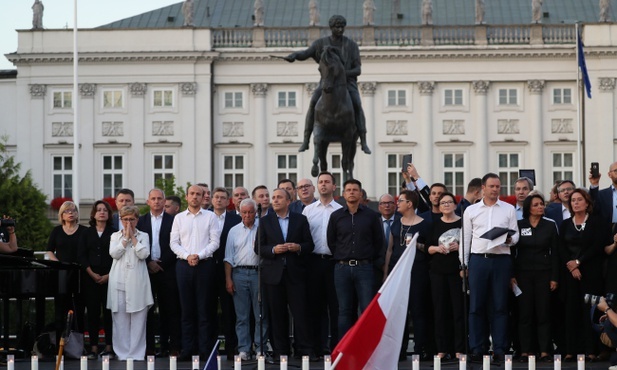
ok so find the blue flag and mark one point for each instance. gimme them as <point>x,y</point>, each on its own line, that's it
<point>212,363</point>
<point>582,65</point>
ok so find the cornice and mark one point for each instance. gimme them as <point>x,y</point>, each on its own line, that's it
<point>64,58</point>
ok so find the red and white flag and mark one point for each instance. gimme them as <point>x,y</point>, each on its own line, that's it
<point>374,342</point>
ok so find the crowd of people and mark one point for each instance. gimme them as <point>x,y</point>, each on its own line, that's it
<point>520,271</point>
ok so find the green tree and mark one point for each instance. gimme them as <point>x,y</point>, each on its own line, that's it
<point>21,199</point>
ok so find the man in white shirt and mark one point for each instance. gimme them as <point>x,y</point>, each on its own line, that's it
<point>194,239</point>
<point>241,264</point>
<point>490,269</point>
<point>323,304</point>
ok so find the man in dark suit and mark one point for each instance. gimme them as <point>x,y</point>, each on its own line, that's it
<point>124,197</point>
<point>605,200</point>
<point>162,272</point>
<point>226,220</point>
<point>559,211</point>
<point>285,245</point>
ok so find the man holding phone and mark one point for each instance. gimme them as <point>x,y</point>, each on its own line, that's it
<point>605,200</point>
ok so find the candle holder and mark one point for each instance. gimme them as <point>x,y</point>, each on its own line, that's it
<point>532,362</point>
<point>10,362</point>
<point>34,362</point>
<point>83,363</point>
<point>237,362</point>
<point>327,362</point>
<point>415,362</point>
<point>129,364</point>
<point>261,362</point>
<point>580,362</point>
<point>305,362</point>
<point>105,363</point>
<point>283,362</point>
<point>486,362</point>
<point>436,362</point>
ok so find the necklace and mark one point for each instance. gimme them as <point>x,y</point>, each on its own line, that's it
<point>402,241</point>
<point>580,227</point>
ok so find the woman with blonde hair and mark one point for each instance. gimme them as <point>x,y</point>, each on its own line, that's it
<point>129,295</point>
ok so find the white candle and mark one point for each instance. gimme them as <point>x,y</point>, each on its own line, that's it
<point>581,362</point>
<point>305,363</point>
<point>415,362</point>
<point>150,362</point>
<point>34,361</point>
<point>218,363</point>
<point>462,365</point>
<point>173,363</point>
<point>129,364</point>
<point>237,362</point>
<point>436,363</point>
<point>283,362</point>
<point>261,363</point>
<point>61,362</point>
<point>557,362</point>
<point>532,362</point>
<point>106,363</point>
<point>84,363</point>
<point>195,362</point>
<point>327,362</point>
<point>508,362</point>
<point>10,362</point>
<point>486,362</point>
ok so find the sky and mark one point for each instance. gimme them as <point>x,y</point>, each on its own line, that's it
<point>17,14</point>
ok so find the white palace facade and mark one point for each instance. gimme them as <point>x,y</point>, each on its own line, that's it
<point>211,104</point>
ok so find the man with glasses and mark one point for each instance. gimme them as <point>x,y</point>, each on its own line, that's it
<point>306,193</point>
<point>605,200</point>
<point>559,211</point>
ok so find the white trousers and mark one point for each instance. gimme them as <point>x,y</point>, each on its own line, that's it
<point>129,332</point>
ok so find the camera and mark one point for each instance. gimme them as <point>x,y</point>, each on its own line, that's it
<point>5,222</point>
<point>595,299</point>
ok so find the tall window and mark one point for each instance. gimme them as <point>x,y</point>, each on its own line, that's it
<point>163,98</point>
<point>62,99</point>
<point>508,172</point>
<point>454,172</point>
<point>113,99</point>
<point>395,178</point>
<point>508,97</point>
<point>62,173</point>
<point>286,99</point>
<point>336,169</point>
<point>287,167</point>
<point>562,96</point>
<point>397,98</point>
<point>163,167</point>
<point>233,99</point>
<point>233,171</point>
<point>112,174</point>
<point>563,166</point>
<point>453,97</point>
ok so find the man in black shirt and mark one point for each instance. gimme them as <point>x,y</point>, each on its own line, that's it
<point>356,239</point>
<point>8,239</point>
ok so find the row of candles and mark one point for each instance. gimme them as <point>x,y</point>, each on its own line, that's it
<point>261,363</point>
<point>173,363</point>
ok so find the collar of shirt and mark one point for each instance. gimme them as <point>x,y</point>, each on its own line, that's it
<point>283,218</point>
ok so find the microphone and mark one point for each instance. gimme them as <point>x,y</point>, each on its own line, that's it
<point>259,210</point>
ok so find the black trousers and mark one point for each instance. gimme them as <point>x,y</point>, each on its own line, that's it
<point>228,312</point>
<point>323,304</point>
<point>95,297</point>
<point>166,298</point>
<point>448,303</point>
<point>534,315</point>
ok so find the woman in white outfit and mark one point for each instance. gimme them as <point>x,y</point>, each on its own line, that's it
<point>129,295</point>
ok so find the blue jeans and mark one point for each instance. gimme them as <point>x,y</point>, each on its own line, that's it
<point>245,297</point>
<point>350,282</point>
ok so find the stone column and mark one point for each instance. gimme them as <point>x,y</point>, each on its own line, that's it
<point>87,124</point>
<point>428,160</point>
<point>33,136</point>
<point>480,88</point>
<point>260,124</point>
<point>606,100</point>
<point>368,92</point>
<point>135,130</point>
<point>536,150</point>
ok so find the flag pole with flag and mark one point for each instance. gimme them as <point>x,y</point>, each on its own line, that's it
<point>212,363</point>
<point>580,98</point>
<point>374,341</point>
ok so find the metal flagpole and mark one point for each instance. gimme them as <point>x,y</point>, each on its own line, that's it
<point>75,102</point>
<point>579,123</point>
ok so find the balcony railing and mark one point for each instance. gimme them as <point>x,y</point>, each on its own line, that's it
<point>524,34</point>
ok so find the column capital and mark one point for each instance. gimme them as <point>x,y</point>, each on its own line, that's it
<point>138,88</point>
<point>87,90</point>
<point>480,87</point>
<point>368,88</point>
<point>535,86</point>
<point>259,89</point>
<point>426,87</point>
<point>38,90</point>
<point>607,84</point>
<point>188,88</point>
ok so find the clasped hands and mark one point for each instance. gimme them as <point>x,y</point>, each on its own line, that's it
<point>286,247</point>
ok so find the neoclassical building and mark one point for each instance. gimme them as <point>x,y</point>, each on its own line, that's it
<point>471,91</point>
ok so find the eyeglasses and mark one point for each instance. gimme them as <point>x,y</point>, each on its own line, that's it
<point>402,200</point>
<point>68,211</point>
<point>386,203</point>
<point>131,219</point>
<point>302,187</point>
<point>563,190</point>
<point>446,202</point>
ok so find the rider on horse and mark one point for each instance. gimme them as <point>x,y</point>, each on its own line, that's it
<point>351,59</point>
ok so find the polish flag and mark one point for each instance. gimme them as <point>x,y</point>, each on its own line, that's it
<point>374,342</point>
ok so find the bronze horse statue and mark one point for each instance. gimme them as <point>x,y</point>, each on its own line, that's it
<point>334,115</point>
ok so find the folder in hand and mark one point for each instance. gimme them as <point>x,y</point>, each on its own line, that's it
<point>496,232</point>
